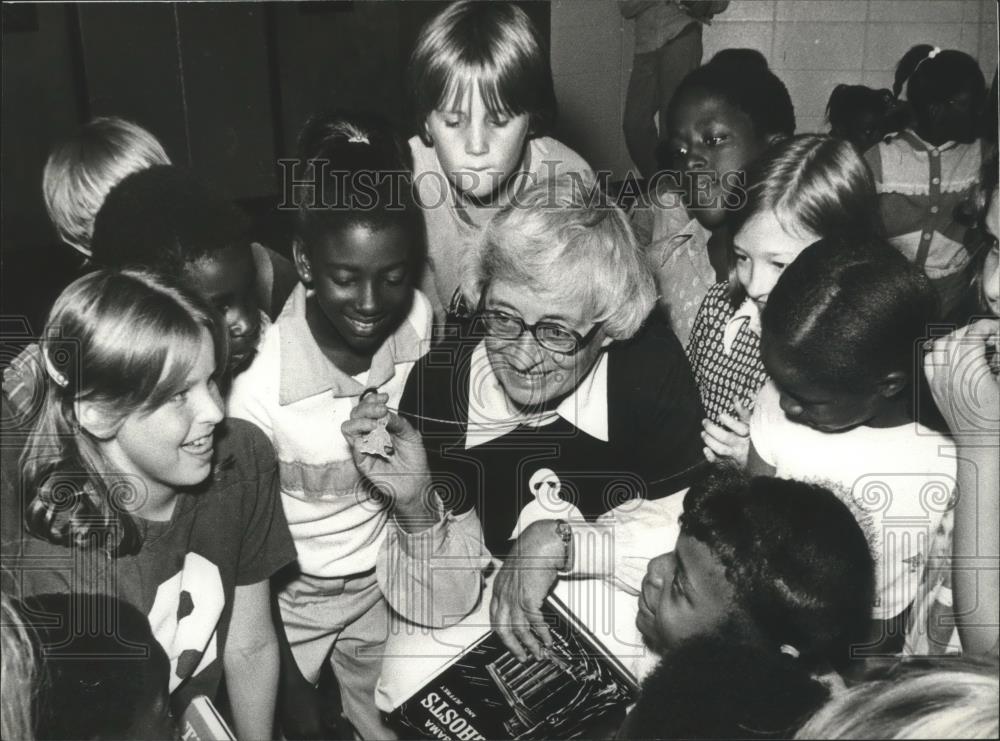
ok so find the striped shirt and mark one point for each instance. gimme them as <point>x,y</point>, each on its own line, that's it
<point>300,399</point>
<point>920,186</point>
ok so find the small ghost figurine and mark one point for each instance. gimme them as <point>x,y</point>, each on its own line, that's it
<point>547,504</point>
<point>378,441</point>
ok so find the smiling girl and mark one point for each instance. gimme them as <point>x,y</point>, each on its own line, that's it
<point>355,322</point>
<point>805,188</point>
<point>137,489</point>
<point>483,97</point>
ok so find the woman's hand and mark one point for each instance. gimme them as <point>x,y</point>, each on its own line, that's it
<point>965,390</point>
<point>729,440</point>
<point>522,584</point>
<point>404,474</point>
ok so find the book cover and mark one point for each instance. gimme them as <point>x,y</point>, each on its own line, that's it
<point>203,722</point>
<point>486,693</point>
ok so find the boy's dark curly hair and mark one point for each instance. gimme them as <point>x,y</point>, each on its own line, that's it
<point>162,218</point>
<point>800,563</point>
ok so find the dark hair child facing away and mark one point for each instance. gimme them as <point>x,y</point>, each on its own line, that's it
<point>355,322</point>
<point>723,116</point>
<point>82,170</point>
<point>167,219</point>
<point>864,116</point>
<point>768,588</point>
<point>103,676</point>
<point>928,172</point>
<point>840,340</point>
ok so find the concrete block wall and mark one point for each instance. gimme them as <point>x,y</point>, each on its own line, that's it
<point>812,45</point>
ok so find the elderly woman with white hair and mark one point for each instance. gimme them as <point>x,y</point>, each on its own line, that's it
<point>563,396</point>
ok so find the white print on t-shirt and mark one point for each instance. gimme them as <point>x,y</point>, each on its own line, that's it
<point>185,617</point>
<point>547,504</point>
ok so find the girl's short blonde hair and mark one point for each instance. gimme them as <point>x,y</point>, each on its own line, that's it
<point>82,170</point>
<point>560,240</point>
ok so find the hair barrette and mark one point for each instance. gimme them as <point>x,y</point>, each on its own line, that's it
<point>789,650</point>
<point>930,55</point>
<point>53,373</point>
<point>358,138</point>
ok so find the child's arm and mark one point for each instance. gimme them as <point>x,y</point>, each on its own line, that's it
<point>767,416</point>
<point>968,396</point>
<point>251,661</point>
<point>253,393</point>
<point>757,466</point>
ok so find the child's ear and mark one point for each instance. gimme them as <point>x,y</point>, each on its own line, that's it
<point>892,384</point>
<point>303,266</point>
<point>96,419</point>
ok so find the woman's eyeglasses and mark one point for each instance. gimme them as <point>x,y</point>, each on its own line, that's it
<point>550,335</point>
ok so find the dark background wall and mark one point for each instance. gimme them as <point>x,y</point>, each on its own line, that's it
<point>224,86</point>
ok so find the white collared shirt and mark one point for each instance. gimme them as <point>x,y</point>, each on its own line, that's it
<point>748,314</point>
<point>299,398</point>
<point>491,415</point>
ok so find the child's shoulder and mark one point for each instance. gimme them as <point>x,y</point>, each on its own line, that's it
<point>265,364</point>
<point>424,156</point>
<point>920,442</point>
<point>242,449</point>
<point>670,215</point>
<point>23,381</point>
<point>551,157</point>
<point>654,350</point>
<point>718,295</point>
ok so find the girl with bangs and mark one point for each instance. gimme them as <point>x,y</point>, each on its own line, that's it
<point>131,485</point>
<point>804,189</point>
<point>483,99</point>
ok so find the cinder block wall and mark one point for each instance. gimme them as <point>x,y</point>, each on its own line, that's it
<point>811,44</point>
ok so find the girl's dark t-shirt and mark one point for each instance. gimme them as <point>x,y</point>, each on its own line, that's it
<point>228,532</point>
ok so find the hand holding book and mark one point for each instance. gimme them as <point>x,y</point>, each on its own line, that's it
<point>521,586</point>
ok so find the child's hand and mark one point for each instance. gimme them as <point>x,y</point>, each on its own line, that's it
<point>965,390</point>
<point>729,440</point>
<point>402,476</point>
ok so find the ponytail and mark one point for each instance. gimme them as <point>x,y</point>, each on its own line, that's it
<point>909,63</point>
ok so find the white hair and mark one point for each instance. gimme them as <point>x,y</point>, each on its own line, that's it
<point>564,242</point>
